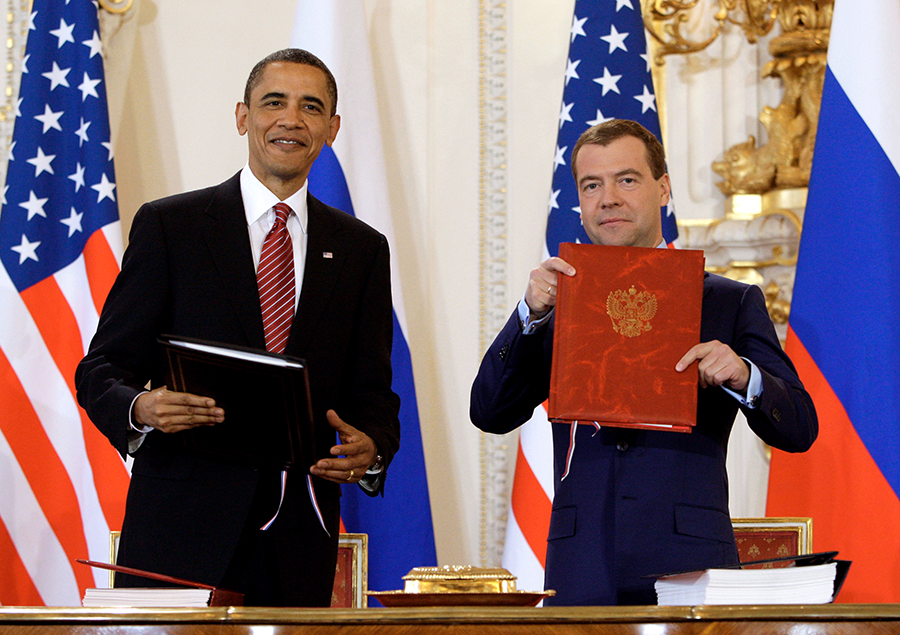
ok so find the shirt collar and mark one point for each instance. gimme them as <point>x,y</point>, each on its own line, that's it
<point>258,199</point>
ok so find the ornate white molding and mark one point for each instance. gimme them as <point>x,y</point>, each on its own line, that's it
<point>756,242</point>
<point>17,19</point>
<point>493,260</point>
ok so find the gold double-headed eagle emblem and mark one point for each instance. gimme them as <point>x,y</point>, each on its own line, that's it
<point>631,311</point>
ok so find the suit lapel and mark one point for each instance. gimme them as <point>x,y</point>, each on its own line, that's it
<point>325,255</point>
<point>225,233</point>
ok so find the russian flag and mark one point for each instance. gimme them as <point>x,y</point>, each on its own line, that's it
<point>352,177</point>
<point>844,335</point>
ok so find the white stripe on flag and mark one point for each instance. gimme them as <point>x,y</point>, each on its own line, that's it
<point>113,234</point>
<point>57,410</point>
<point>862,55</point>
<point>73,283</point>
<point>38,547</point>
<point>536,438</point>
<point>519,559</point>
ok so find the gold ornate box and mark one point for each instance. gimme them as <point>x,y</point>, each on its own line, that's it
<point>459,579</point>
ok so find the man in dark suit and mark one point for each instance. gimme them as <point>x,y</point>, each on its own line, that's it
<point>191,270</point>
<point>637,503</point>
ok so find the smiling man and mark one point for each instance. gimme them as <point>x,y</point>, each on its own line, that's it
<point>637,502</point>
<point>199,265</point>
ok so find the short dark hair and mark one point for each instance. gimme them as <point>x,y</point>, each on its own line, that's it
<point>293,56</point>
<point>605,133</point>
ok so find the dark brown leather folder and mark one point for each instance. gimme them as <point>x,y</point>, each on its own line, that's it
<point>268,416</point>
<point>217,596</point>
<point>622,323</point>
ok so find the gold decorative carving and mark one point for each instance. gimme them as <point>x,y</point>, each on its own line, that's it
<point>799,61</point>
<point>631,311</point>
<point>667,20</point>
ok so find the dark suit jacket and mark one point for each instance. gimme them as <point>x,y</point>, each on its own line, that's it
<point>188,271</point>
<point>638,503</point>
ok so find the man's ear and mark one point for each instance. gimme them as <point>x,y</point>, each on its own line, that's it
<point>334,125</point>
<point>240,117</point>
<point>665,189</point>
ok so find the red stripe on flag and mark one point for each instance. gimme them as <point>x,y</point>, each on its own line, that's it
<point>16,586</point>
<point>55,321</point>
<point>102,267</point>
<point>837,483</point>
<point>531,508</point>
<point>45,472</point>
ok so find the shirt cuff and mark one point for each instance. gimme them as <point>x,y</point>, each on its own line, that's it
<point>754,387</point>
<point>529,326</point>
<point>136,433</point>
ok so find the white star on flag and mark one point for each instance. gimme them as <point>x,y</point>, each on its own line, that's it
<point>616,40</point>
<point>57,76</point>
<point>78,177</point>
<point>608,81</point>
<point>26,250</point>
<point>73,222</point>
<point>63,33</point>
<point>41,162</point>
<point>570,70</point>
<point>94,44</point>
<point>88,87</point>
<point>598,119</point>
<point>554,195</point>
<point>105,189</point>
<point>50,119</point>
<point>559,159</point>
<point>564,115</point>
<point>577,27</point>
<point>34,205</point>
<point>647,99</point>
<point>82,132</point>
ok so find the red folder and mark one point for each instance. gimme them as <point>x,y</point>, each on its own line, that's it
<point>622,323</point>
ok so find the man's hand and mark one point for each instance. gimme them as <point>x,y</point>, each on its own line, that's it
<point>357,448</point>
<point>719,366</point>
<point>540,296</point>
<point>169,411</point>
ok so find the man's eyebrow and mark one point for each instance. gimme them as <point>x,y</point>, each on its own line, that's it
<point>619,174</point>
<point>279,95</point>
<point>272,95</point>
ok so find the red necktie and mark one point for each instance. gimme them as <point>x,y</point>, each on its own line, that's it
<point>275,279</point>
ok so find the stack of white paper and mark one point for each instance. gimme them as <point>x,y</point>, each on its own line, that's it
<point>789,585</point>
<point>146,598</point>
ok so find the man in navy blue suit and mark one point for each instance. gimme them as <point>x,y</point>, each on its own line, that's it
<point>635,502</point>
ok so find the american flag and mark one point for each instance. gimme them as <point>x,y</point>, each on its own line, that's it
<point>607,76</point>
<point>60,244</point>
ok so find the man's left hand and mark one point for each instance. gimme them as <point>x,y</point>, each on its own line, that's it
<point>357,449</point>
<point>718,366</point>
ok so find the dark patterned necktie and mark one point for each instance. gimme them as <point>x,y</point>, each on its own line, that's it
<point>275,279</point>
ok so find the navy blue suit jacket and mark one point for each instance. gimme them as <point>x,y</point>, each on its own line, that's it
<point>188,271</point>
<point>638,503</point>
